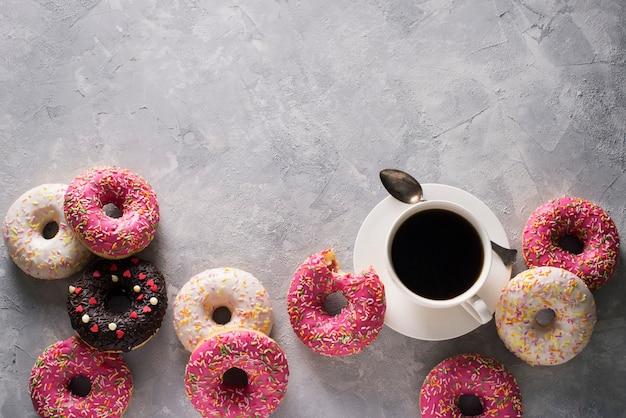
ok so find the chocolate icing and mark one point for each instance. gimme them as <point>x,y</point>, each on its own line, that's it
<point>93,303</point>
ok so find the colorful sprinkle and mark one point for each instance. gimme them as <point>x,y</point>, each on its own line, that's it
<point>586,221</point>
<point>257,355</point>
<point>355,327</point>
<point>239,291</point>
<point>470,374</point>
<point>43,258</point>
<point>111,379</point>
<point>113,238</point>
<point>533,291</point>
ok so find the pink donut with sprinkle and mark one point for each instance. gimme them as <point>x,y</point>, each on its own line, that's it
<point>355,326</point>
<point>595,254</point>
<point>470,385</point>
<point>237,373</point>
<point>70,379</point>
<point>107,236</point>
<point>545,315</point>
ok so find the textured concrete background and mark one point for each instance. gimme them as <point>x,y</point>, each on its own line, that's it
<point>263,125</point>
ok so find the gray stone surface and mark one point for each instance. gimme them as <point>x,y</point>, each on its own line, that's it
<point>262,126</point>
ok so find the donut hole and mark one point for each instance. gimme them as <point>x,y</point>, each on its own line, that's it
<point>50,230</point>
<point>118,301</point>
<point>222,315</point>
<point>571,244</point>
<point>334,303</point>
<point>112,210</point>
<point>545,317</point>
<point>79,386</point>
<point>235,377</point>
<point>470,405</point>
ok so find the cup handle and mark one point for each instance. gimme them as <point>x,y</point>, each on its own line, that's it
<point>477,307</point>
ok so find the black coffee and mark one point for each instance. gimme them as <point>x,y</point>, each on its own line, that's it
<point>437,254</point>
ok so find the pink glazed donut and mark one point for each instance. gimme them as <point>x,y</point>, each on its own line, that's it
<point>355,327</point>
<point>470,385</point>
<point>70,379</point>
<point>589,224</point>
<point>106,236</point>
<point>237,373</point>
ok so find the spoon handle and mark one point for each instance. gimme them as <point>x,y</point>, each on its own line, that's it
<point>507,255</point>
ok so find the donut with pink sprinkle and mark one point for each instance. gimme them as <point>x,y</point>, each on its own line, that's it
<point>237,373</point>
<point>72,379</point>
<point>356,325</point>
<point>594,254</point>
<point>112,237</point>
<point>469,385</point>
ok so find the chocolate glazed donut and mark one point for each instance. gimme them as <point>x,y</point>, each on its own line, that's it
<point>118,305</point>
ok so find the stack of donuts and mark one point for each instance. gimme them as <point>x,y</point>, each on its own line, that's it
<point>545,315</point>
<point>224,316</point>
<point>118,302</point>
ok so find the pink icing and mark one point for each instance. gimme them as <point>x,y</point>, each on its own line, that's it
<point>470,374</point>
<point>109,237</point>
<point>586,221</point>
<point>355,327</point>
<point>253,352</point>
<point>111,381</point>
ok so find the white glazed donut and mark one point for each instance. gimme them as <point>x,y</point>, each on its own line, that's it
<point>31,249</point>
<point>545,315</point>
<point>220,289</point>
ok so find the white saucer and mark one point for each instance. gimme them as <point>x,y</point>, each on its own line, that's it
<point>403,314</point>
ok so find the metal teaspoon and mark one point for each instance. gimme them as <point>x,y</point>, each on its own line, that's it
<point>403,187</point>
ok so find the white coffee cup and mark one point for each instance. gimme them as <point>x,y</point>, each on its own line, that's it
<point>439,255</point>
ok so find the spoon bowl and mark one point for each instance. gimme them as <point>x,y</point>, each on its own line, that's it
<point>401,185</point>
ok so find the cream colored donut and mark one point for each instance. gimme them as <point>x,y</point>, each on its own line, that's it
<point>57,257</point>
<point>545,315</point>
<point>238,291</point>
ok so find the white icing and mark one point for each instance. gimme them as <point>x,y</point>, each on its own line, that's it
<point>238,291</point>
<point>55,258</point>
